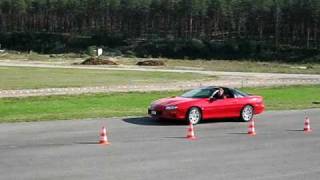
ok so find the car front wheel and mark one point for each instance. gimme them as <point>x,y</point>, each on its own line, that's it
<point>194,115</point>
<point>247,113</point>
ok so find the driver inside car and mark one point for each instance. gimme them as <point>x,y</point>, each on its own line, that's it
<point>220,94</point>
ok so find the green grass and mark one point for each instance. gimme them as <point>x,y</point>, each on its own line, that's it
<point>215,65</point>
<point>33,78</point>
<point>250,66</point>
<point>133,104</point>
<point>237,66</point>
<point>291,97</point>
<point>82,106</point>
<point>33,56</point>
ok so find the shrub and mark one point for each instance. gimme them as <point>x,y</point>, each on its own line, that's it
<point>91,50</point>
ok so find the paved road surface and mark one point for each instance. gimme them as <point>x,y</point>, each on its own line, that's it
<point>145,149</point>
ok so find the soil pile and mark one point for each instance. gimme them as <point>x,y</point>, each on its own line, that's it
<point>150,63</point>
<point>97,61</point>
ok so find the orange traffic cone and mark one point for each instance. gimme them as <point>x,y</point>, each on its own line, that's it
<point>307,127</point>
<point>251,128</point>
<point>190,132</point>
<point>103,136</point>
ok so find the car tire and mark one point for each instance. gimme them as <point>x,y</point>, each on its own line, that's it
<point>246,113</point>
<point>194,115</point>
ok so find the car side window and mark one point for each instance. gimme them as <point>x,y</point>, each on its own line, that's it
<point>204,93</point>
<point>238,94</point>
<point>228,93</point>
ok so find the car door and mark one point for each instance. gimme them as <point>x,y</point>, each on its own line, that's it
<point>221,108</point>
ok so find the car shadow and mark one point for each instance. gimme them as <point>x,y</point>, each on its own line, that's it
<point>87,142</point>
<point>295,130</point>
<point>147,121</point>
<point>229,120</point>
<point>239,133</point>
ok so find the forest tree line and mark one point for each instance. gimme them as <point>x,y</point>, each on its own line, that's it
<point>258,24</point>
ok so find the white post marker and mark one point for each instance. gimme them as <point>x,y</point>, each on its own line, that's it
<point>99,52</point>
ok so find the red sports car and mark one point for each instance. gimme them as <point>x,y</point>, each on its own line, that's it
<point>208,103</point>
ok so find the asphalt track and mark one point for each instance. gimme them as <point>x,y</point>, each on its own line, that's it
<point>145,149</point>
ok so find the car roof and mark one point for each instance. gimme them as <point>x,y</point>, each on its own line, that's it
<point>214,87</point>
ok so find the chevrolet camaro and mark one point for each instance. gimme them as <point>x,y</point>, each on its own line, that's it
<point>205,103</point>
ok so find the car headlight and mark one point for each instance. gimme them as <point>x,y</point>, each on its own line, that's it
<point>171,107</point>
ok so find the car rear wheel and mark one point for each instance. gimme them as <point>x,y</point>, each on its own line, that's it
<point>247,113</point>
<point>194,115</point>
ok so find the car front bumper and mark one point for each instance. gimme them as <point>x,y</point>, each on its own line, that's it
<point>259,108</point>
<point>166,114</point>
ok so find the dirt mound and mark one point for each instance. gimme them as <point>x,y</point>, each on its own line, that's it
<point>150,63</point>
<point>97,61</point>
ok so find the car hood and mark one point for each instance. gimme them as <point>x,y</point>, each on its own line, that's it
<point>173,101</point>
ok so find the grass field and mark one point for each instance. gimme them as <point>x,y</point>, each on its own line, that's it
<point>33,78</point>
<point>134,104</point>
<point>215,65</point>
<point>291,97</point>
<point>249,66</point>
<point>33,56</point>
<point>238,66</point>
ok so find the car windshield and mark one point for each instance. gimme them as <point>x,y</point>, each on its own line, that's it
<point>199,93</point>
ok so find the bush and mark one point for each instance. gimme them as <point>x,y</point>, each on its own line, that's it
<point>111,52</point>
<point>91,50</point>
<point>112,41</point>
<point>129,54</point>
<point>154,46</point>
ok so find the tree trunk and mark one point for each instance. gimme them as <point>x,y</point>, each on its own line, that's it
<point>190,27</point>
<point>277,25</point>
<point>308,37</point>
